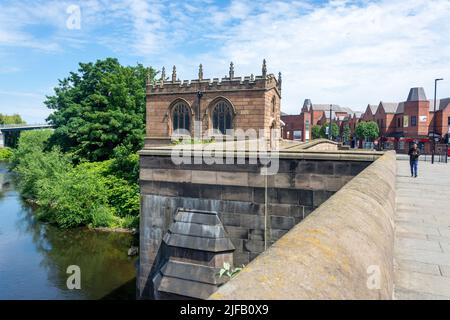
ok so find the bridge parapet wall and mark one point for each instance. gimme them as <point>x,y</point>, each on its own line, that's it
<point>252,219</point>
<point>342,250</point>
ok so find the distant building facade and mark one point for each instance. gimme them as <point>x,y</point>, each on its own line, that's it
<point>400,123</point>
<point>298,127</point>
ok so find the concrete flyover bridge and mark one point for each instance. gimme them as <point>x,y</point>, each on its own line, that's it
<point>7,132</point>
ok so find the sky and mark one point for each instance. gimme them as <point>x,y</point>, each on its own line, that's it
<point>350,53</point>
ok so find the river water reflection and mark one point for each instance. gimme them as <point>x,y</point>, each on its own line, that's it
<point>34,256</point>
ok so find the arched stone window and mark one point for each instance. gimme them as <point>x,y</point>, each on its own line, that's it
<point>181,117</point>
<point>222,116</point>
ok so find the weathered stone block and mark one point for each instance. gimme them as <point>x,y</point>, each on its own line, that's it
<point>237,193</point>
<point>279,222</point>
<point>325,167</point>
<point>280,209</point>
<point>276,234</point>
<point>320,196</point>
<point>230,219</point>
<point>232,178</point>
<point>306,167</point>
<point>256,234</point>
<point>204,177</point>
<point>254,246</point>
<point>236,232</point>
<point>252,221</point>
<point>342,168</point>
<point>241,258</point>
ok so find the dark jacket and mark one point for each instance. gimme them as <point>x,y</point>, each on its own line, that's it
<point>413,154</point>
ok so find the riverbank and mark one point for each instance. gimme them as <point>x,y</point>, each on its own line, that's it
<point>70,193</point>
<point>35,255</point>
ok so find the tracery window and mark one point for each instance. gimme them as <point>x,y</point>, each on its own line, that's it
<point>222,116</point>
<point>180,117</point>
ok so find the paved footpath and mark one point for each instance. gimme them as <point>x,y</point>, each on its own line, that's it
<point>422,232</point>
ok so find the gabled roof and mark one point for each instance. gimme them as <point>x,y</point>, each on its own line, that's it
<point>440,104</point>
<point>372,108</point>
<point>389,107</point>
<point>326,107</point>
<point>400,108</point>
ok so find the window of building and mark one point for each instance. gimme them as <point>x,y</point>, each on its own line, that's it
<point>222,117</point>
<point>413,121</point>
<point>181,117</point>
<point>399,123</point>
<point>448,121</point>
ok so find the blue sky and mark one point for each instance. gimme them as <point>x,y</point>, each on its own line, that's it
<point>346,52</point>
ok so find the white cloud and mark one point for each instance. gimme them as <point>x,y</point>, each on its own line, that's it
<point>339,52</point>
<point>346,52</point>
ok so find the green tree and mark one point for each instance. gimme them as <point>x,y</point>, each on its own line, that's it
<point>315,132</point>
<point>334,130</point>
<point>13,119</point>
<point>367,130</point>
<point>346,133</point>
<point>98,108</point>
<point>372,130</point>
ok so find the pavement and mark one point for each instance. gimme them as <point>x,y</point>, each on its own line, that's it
<point>422,232</point>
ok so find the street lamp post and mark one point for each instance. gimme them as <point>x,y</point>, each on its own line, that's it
<point>329,125</point>
<point>434,120</point>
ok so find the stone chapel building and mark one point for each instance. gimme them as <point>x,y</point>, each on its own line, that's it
<point>220,104</point>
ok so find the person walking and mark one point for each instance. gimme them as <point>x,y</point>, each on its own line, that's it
<point>414,154</point>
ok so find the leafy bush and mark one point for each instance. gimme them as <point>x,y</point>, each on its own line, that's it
<point>5,154</point>
<point>125,164</point>
<point>30,142</point>
<point>315,131</point>
<point>76,198</point>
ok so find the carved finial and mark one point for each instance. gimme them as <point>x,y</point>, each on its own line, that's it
<point>279,80</point>
<point>174,74</point>
<point>163,75</point>
<point>264,68</point>
<point>231,73</point>
<point>200,72</point>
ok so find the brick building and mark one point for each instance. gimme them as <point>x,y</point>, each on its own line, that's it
<point>252,102</point>
<point>402,124</point>
<point>298,126</point>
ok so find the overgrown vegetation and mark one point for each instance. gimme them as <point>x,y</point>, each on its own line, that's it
<point>11,119</point>
<point>5,154</point>
<point>85,172</point>
<point>87,194</point>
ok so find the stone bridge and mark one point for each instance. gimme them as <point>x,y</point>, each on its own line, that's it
<point>195,217</point>
<point>330,224</point>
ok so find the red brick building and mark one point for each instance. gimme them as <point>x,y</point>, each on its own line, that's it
<point>402,124</point>
<point>298,126</point>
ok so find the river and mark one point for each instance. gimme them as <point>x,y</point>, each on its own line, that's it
<point>34,256</point>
